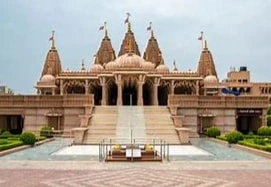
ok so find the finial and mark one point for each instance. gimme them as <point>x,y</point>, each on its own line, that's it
<point>175,66</point>
<point>83,65</point>
<point>128,22</point>
<point>105,30</point>
<point>149,28</point>
<point>52,38</point>
<point>205,44</point>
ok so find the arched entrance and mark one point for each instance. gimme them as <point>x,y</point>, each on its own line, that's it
<point>147,93</point>
<point>112,90</point>
<point>75,89</point>
<point>184,89</point>
<point>97,91</point>
<point>162,95</point>
<point>129,95</point>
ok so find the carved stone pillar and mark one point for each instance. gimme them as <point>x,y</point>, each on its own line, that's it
<point>119,83</point>
<point>53,91</point>
<point>155,91</point>
<point>139,93</point>
<point>197,88</point>
<point>172,87</point>
<point>86,87</point>
<point>61,87</point>
<point>104,91</point>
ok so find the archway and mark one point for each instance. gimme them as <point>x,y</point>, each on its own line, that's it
<point>112,90</point>
<point>97,92</point>
<point>12,123</point>
<point>184,89</point>
<point>147,93</point>
<point>129,95</point>
<point>162,95</point>
<point>75,89</point>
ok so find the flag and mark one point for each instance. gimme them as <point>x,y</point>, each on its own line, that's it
<point>51,38</point>
<point>101,27</point>
<point>148,28</point>
<point>201,36</point>
<point>128,14</point>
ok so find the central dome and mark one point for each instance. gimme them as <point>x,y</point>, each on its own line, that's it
<point>129,60</point>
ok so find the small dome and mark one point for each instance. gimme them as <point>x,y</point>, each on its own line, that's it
<point>96,68</point>
<point>111,65</point>
<point>130,60</point>
<point>148,65</point>
<point>162,68</point>
<point>210,80</point>
<point>47,78</point>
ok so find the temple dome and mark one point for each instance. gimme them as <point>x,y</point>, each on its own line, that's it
<point>47,78</point>
<point>148,65</point>
<point>162,68</point>
<point>96,68</point>
<point>130,60</point>
<point>111,65</point>
<point>210,80</point>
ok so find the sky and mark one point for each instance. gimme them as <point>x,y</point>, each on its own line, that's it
<point>238,33</point>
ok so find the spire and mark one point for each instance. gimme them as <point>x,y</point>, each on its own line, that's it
<point>52,38</point>
<point>52,64</point>
<point>205,45</point>
<point>175,66</point>
<point>105,53</point>
<point>129,41</point>
<point>152,52</point>
<point>83,65</point>
<point>206,64</point>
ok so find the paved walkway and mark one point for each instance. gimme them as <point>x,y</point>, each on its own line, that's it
<point>38,166</point>
<point>92,173</point>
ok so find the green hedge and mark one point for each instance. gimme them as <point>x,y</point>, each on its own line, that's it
<point>264,131</point>
<point>234,136</point>
<point>255,146</point>
<point>213,132</point>
<point>5,134</point>
<point>10,145</point>
<point>46,131</point>
<point>28,138</point>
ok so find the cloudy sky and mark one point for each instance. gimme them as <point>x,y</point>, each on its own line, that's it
<point>238,34</point>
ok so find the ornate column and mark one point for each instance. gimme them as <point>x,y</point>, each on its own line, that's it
<point>104,91</point>
<point>61,87</point>
<point>119,83</point>
<point>53,91</point>
<point>197,87</point>
<point>172,87</point>
<point>139,93</point>
<point>86,87</point>
<point>141,80</point>
<point>155,91</point>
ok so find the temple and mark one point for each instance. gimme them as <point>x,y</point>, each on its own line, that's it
<point>193,100</point>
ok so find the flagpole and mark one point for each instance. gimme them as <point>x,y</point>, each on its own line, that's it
<point>202,40</point>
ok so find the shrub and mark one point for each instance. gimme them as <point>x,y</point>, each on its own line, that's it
<point>213,132</point>
<point>264,131</point>
<point>28,138</point>
<point>2,142</point>
<point>269,111</point>
<point>5,134</point>
<point>46,131</point>
<point>234,136</point>
<point>269,121</point>
<point>259,141</point>
<point>1,131</point>
<point>10,145</point>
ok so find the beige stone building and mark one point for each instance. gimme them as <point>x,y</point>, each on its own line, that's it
<point>193,100</point>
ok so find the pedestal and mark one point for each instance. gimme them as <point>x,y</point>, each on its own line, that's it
<point>78,134</point>
<point>183,135</point>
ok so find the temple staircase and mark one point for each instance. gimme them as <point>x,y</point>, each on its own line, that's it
<point>123,123</point>
<point>159,124</point>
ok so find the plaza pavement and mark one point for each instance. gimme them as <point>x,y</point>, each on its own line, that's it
<point>173,173</point>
